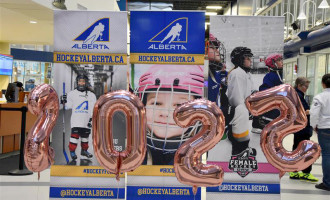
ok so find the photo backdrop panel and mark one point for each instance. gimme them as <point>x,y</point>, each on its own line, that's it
<point>233,39</point>
<point>90,60</point>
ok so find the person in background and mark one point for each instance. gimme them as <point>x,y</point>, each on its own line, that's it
<point>320,121</point>
<point>20,86</point>
<point>10,92</point>
<point>301,86</point>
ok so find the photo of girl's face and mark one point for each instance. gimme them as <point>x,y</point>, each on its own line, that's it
<point>160,114</point>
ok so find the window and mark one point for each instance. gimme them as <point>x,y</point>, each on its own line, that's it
<point>310,66</point>
<point>328,71</point>
<point>320,72</point>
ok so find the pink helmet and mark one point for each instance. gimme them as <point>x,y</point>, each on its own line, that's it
<point>212,38</point>
<point>179,77</point>
<point>270,60</point>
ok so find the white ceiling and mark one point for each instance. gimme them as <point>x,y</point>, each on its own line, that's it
<point>15,26</point>
<point>15,17</point>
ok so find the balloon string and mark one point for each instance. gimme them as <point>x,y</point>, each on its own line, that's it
<point>38,176</point>
<point>117,189</point>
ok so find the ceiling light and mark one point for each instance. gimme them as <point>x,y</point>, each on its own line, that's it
<point>302,15</point>
<point>33,22</point>
<point>324,4</point>
<point>60,4</point>
<point>214,7</point>
<point>210,13</point>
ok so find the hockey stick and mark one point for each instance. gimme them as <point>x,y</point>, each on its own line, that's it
<point>64,152</point>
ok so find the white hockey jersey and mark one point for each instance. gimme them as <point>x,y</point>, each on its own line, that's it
<point>240,86</point>
<point>82,105</point>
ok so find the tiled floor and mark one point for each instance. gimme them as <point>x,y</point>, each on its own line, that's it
<point>29,188</point>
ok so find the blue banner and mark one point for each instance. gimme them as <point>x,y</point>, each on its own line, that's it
<point>167,32</point>
<point>83,193</point>
<point>246,188</point>
<point>157,193</point>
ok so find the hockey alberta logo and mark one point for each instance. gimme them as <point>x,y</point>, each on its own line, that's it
<point>172,37</point>
<point>244,163</point>
<point>99,31</point>
<point>82,108</point>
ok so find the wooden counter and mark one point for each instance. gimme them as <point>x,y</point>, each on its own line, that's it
<point>10,126</point>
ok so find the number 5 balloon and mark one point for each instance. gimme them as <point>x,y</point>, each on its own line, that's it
<point>42,101</point>
<point>291,120</point>
<point>105,108</point>
<point>187,161</point>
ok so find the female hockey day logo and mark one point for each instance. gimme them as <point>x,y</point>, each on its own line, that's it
<point>244,163</point>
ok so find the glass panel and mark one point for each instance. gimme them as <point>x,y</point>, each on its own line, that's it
<point>321,65</point>
<point>320,72</point>
<point>294,70</point>
<point>18,71</point>
<point>310,90</point>
<point>302,70</point>
<point>328,71</point>
<point>289,71</point>
<point>310,66</point>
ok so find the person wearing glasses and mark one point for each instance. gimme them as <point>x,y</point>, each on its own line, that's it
<point>301,86</point>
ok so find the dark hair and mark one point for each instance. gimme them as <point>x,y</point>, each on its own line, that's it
<point>326,80</point>
<point>18,84</point>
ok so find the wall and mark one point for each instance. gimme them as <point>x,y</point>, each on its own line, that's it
<point>105,5</point>
<point>16,28</point>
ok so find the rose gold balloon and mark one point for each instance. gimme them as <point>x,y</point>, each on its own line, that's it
<point>291,120</point>
<point>42,101</point>
<point>188,166</point>
<point>104,110</point>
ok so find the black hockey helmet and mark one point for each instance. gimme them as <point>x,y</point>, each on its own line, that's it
<point>84,87</point>
<point>238,54</point>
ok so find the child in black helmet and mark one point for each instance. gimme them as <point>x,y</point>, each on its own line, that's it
<point>240,86</point>
<point>81,101</point>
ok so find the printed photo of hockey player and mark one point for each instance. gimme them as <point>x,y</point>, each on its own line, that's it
<point>273,78</point>
<point>162,88</point>
<point>245,56</point>
<point>253,61</point>
<point>79,86</point>
<point>81,100</point>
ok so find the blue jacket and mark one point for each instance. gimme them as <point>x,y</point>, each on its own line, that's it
<point>214,87</point>
<point>271,79</point>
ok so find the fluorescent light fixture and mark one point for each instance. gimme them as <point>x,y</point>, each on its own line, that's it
<point>324,4</point>
<point>33,22</point>
<point>302,15</point>
<point>210,13</point>
<point>214,7</point>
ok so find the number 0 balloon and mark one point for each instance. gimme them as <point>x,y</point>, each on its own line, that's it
<point>104,110</point>
<point>187,161</point>
<point>42,101</point>
<point>291,120</point>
